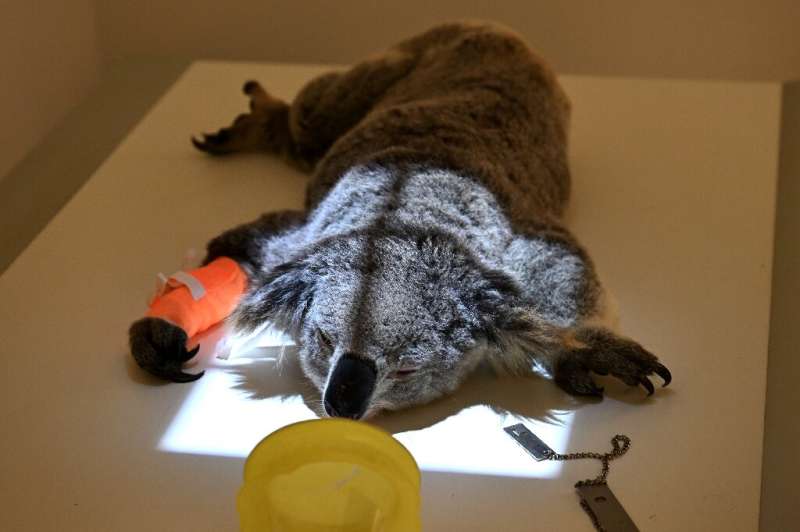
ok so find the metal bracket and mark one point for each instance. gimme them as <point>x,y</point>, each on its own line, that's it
<point>530,442</point>
<point>604,509</point>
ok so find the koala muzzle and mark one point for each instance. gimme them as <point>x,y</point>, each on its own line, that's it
<point>350,387</point>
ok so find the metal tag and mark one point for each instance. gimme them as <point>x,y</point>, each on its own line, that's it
<point>530,442</point>
<point>605,510</point>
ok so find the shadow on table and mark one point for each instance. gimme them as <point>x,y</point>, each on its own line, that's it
<point>275,372</point>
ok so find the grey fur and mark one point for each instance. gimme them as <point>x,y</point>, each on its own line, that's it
<point>432,238</point>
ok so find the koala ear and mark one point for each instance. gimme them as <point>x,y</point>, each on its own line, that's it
<point>282,296</point>
<point>517,333</point>
<point>495,294</point>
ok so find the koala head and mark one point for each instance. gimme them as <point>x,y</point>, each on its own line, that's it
<point>385,318</point>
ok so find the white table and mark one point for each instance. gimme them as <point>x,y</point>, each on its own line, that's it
<point>674,186</point>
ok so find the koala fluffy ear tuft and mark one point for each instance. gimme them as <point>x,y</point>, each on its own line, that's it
<point>495,294</point>
<point>282,296</point>
<point>518,333</point>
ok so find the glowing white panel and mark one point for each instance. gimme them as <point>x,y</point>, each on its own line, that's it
<point>240,401</point>
<point>219,420</point>
<point>473,441</point>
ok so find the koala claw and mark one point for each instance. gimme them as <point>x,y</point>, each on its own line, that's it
<point>664,373</point>
<point>644,381</point>
<point>214,143</point>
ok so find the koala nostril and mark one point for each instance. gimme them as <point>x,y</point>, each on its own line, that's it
<point>332,412</point>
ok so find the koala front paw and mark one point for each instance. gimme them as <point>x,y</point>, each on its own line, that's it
<point>602,352</point>
<point>160,349</point>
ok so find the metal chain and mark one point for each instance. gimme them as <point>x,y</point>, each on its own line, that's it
<point>620,445</point>
<point>593,518</point>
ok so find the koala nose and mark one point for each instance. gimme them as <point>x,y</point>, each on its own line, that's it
<point>350,387</point>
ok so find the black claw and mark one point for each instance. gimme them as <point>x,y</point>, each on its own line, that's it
<point>664,373</point>
<point>644,381</point>
<point>183,377</point>
<point>213,143</point>
<point>173,373</point>
<point>169,371</point>
<point>220,137</point>
<point>187,355</point>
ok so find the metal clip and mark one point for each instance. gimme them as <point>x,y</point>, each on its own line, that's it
<point>530,442</point>
<point>604,509</point>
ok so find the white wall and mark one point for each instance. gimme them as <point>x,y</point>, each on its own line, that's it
<point>781,467</point>
<point>48,62</point>
<point>51,51</point>
<point>727,39</point>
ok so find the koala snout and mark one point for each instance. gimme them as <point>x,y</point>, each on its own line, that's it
<point>350,387</point>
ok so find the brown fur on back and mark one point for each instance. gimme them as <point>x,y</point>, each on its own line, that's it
<point>468,97</point>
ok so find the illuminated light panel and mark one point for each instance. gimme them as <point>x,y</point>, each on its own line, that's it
<point>240,401</point>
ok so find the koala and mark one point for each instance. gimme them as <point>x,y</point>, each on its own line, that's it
<point>432,236</point>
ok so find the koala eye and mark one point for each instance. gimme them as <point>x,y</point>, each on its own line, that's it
<point>403,372</point>
<point>324,339</point>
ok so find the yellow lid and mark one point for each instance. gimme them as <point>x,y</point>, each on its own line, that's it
<point>330,475</point>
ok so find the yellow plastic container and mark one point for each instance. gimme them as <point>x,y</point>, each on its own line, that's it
<point>330,475</point>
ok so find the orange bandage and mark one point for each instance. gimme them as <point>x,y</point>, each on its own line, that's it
<point>198,299</point>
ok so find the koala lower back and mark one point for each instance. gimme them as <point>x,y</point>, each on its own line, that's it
<point>432,237</point>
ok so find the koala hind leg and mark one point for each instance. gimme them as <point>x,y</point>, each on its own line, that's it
<point>265,127</point>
